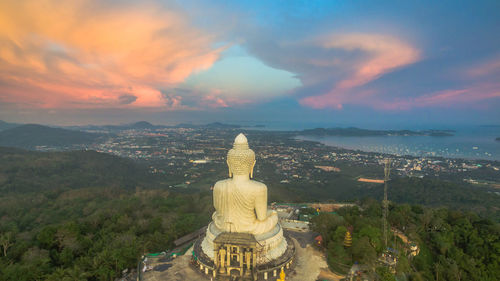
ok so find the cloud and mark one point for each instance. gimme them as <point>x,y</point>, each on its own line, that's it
<point>127,99</point>
<point>175,102</point>
<point>214,101</point>
<point>385,53</point>
<point>96,54</point>
<point>165,56</point>
<point>468,97</point>
<point>490,67</point>
<point>374,56</point>
<point>201,98</point>
<point>349,58</point>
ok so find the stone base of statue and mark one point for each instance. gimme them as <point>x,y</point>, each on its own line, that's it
<point>246,256</point>
<point>271,245</point>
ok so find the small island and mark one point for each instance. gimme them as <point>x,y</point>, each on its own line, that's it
<point>357,132</point>
<point>497,139</point>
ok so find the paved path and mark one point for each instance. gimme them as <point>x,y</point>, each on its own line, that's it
<point>303,238</point>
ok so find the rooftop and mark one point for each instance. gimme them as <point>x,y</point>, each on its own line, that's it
<point>235,238</point>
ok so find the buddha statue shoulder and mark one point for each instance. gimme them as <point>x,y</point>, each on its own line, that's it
<point>240,202</point>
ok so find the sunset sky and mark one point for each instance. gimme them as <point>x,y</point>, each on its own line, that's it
<point>362,63</point>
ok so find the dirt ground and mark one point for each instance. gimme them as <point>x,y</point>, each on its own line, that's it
<point>311,265</point>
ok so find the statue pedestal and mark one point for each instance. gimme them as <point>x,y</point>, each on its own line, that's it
<point>270,245</point>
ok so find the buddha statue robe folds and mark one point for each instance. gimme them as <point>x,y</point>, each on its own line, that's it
<point>241,206</point>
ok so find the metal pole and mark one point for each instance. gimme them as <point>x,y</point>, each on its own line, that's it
<point>385,203</point>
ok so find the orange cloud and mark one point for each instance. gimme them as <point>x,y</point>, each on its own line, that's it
<point>89,54</point>
<point>380,54</point>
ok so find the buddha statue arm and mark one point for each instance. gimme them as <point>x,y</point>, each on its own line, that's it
<point>261,203</point>
<point>216,198</point>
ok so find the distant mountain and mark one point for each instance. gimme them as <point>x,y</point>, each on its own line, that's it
<point>221,125</point>
<point>497,139</point>
<point>4,125</point>
<point>134,126</point>
<point>143,125</point>
<point>31,135</point>
<point>215,125</point>
<point>356,132</point>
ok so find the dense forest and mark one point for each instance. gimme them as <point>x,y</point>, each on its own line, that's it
<point>454,245</point>
<point>85,215</point>
<point>343,187</point>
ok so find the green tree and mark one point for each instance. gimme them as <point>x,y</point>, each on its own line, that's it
<point>384,274</point>
<point>6,241</point>
<point>363,252</point>
<point>325,223</point>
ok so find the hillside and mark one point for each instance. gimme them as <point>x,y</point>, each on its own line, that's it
<point>30,136</point>
<point>453,245</point>
<point>23,171</point>
<point>4,125</point>
<point>84,215</point>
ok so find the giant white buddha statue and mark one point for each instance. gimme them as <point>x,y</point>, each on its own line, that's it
<point>241,206</point>
<point>241,203</point>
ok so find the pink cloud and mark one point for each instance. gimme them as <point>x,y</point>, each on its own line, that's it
<point>214,101</point>
<point>385,53</point>
<point>380,54</point>
<point>487,68</point>
<point>174,102</point>
<point>87,54</point>
<point>216,98</point>
<point>445,98</point>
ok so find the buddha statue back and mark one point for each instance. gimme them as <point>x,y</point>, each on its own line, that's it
<point>241,203</point>
<point>241,206</point>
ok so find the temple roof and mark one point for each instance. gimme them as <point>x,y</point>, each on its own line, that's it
<point>236,238</point>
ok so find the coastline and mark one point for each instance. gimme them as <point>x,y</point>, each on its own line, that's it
<point>402,149</point>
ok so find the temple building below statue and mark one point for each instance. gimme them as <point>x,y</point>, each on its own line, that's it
<point>235,252</point>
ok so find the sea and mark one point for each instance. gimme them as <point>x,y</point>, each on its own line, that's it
<point>468,142</point>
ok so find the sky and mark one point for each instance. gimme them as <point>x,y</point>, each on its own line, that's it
<point>338,63</point>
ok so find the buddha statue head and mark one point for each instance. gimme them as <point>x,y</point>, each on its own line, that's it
<point>240,159</point>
